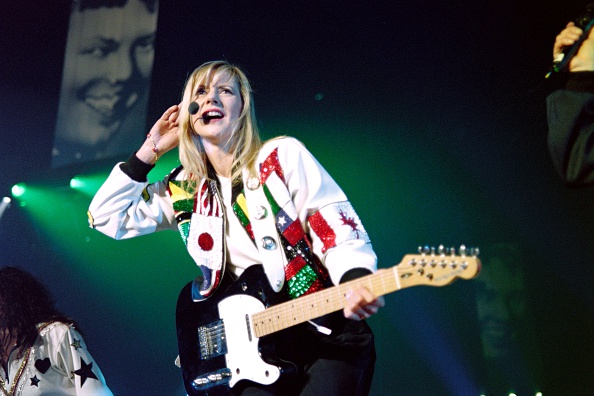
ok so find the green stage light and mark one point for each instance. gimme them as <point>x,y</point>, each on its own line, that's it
<point>76,183</point>
<point>88,184</point>
<point>18,190</point>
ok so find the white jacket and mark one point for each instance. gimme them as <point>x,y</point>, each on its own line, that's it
<point>303,190</point>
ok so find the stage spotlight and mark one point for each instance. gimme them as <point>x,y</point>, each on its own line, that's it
<point>76,183</point>
<point>4,205</point>
<point>88,184</point>
<point>18,190</point>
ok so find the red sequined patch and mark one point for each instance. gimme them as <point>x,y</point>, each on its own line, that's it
<point>271,164</point>
<point>205,241</point>
<point>294,233</point>
<point>294,266</point>
<point>323,231</point>
<point>250,231</point>
<point>204,203</point>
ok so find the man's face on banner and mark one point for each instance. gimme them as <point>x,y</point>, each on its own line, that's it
<point>109,59</point>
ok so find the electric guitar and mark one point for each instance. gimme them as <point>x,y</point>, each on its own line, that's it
<point>219,338</point>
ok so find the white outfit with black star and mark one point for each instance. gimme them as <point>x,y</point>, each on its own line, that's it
<point>57,364</point>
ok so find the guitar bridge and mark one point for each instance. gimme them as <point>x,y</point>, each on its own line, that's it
<point>211,339</point>
<point>216,378</point>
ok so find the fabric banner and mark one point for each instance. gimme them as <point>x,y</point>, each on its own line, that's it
<point>106,80</point>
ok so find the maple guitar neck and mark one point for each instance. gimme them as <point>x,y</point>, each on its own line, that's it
<point>413,270</point>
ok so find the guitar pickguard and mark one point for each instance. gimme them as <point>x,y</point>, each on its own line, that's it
<point>243,357</point>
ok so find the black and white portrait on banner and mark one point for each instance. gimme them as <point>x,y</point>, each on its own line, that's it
<point>106,79</point>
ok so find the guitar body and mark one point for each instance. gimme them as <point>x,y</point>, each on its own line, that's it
<point>216,342</point>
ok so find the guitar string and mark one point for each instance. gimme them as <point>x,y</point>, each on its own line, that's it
<point>333,297</point>
<point>385,281</point>
<point>303,309</point>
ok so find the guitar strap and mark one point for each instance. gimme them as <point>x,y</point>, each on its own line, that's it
<point>264,230</point>
<point>278,233</point>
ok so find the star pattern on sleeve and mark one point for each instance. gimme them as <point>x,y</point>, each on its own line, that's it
<point>35,381</point>
<point>76,344</point>
<point>85,371</point>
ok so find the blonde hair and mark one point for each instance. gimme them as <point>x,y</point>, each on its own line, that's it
<point>245,141</point>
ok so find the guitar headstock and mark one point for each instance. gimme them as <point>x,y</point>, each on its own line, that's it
<point>438,267</point>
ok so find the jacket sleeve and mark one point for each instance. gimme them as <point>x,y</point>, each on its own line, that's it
<point>570,114</point>
<point>124,207</point>
<point>70,356</point>
<point>337,235</point>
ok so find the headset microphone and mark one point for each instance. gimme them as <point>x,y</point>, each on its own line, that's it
<point>193,108</point>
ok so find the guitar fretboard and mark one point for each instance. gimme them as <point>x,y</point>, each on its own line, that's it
<point>412,271</point>
<point>313,306</point>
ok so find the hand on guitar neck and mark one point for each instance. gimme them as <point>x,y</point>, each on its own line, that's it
<point>361,304</point>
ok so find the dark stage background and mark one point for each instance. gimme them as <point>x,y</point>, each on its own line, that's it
<point>431,116</point>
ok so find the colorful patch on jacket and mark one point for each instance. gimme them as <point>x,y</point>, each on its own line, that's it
<point>337,223</point>
<point>304,273</point>
<point>199,216</point>
<point>241,211</point>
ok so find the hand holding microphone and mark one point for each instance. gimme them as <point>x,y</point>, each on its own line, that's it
<point>574,48</point>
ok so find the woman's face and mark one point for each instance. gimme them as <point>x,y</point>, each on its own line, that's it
<point>220,107</point>
<point>108,61</point>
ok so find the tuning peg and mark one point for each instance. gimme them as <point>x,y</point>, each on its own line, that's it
<point>442,250</point>
<point>473,251</point>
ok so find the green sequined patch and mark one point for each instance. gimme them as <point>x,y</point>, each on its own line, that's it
<point>301,282</point>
